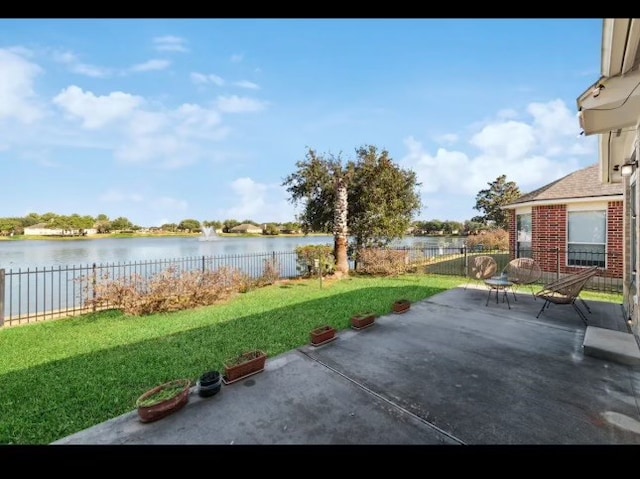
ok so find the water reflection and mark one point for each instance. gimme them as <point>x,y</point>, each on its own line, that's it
<point>43,253</point>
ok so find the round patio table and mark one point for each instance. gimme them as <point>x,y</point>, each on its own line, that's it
<point>497,284</point>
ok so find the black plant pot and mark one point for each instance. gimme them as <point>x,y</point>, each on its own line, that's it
<point>209,384</point>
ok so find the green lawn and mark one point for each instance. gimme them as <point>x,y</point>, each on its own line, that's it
<point>59,377</point>
<point>62,376</point>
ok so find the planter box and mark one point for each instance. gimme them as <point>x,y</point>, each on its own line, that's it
<point>246,364</point>
<point>322,335</point>
<point>151,409</point>
<point>401,306</point>
<point>363,320</point>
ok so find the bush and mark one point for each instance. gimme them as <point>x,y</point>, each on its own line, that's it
<point>170,290</point>
<point>306,256</point>
<point>496,239</point>
<point>381,261</point>
<point>270,273</point>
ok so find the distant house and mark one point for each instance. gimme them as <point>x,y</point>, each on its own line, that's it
<point>246,228</point>
<point>573,222</point>
<point>41,229</point>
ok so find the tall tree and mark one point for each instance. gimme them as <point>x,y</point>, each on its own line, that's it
<point>370,198</point>
<point>491,200</point>
<point>385,198</point>
<point>321,182</point>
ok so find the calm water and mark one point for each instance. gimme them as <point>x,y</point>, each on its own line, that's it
<point>42,253</point>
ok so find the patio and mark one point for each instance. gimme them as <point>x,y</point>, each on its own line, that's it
<point>452,370</point>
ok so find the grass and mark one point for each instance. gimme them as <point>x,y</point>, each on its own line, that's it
<point>63,376</point>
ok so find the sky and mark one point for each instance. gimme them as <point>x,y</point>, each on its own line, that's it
<point>160,120</point>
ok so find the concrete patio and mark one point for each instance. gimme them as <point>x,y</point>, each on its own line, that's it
<point>453,370</point>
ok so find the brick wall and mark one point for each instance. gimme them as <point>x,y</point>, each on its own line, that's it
<point>549,233</point>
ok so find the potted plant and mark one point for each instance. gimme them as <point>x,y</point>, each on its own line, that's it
<point>163,400</point>
<point>363,320</point>
<point>209,384</point>
<point>401,306</point>
<point>243,365</point>
<point>322,335</point>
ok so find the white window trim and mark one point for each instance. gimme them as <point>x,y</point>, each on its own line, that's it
<point>606,235</point>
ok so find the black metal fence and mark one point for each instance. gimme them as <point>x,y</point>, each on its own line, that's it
<point>35,294</point>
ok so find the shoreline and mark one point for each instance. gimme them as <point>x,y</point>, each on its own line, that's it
<point>148,235</point>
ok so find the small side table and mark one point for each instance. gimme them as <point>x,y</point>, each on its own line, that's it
<point>498,283</point>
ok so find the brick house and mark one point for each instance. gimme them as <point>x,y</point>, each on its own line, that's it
<point>571,223</point>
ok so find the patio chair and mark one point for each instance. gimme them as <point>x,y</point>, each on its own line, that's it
<point>480,268</point>
<point>567,290</point>
<point>522,271</point>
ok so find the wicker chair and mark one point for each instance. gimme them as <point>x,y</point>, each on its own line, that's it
<point>523,271</point>
<point>567,290</point>
<point>480,268</point>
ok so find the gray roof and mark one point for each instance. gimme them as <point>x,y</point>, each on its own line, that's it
<point>583,183</point>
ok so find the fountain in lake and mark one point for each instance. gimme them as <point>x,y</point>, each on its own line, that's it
<point>208,234</point>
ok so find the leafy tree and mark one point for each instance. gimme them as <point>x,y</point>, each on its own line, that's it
<point>322,184</point>
<point>171,227</point>
<point>102,217</point>
<point>490,201</point>
<point>190,225</point>
<point>31,219</point>
<point>386,199</point>
<point>369,198</point>
<point>228,224</point>
<point>121,223</point>
<point>214,224</point>
<point>272,229</point>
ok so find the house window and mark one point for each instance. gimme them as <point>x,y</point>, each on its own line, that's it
<point>587,241</point>
<point>523,232</point>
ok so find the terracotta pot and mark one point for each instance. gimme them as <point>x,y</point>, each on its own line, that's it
<point>246,364</point>
<point>322,335</point>
<point>401,306</point>
<point>362,320</point>
<point>150,410</point>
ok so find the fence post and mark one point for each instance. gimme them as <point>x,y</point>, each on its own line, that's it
<point>1,297</point>
<point>557,263</point>
<point>94,283</point>
<point>466,259</point>
<point>203,264</point>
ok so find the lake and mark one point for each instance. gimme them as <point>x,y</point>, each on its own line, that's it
<point>44,253</point>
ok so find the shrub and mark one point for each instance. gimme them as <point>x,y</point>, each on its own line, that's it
<point>270,272</point>
<point>170,290</point>
<point>306,256</point>
<point>489,239</point>
<point>382,261</point>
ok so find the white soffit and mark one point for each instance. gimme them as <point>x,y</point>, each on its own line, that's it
<point>616,106</point>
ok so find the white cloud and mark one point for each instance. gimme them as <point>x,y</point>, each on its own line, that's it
<point>202,79</point>
<point>17,95</point>
<point>237,58</point>
<point>247,84</point>
<point>96,111</point>
<point>170,43</point>
<point>259,201</point>
<point>151,65</point>
<point>236,104</point>
<point>448,138</point>
<point>76,66</point>
<point>530,153</point>
<point>510,139</point>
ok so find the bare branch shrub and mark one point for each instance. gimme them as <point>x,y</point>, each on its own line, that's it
<point>382,261</point>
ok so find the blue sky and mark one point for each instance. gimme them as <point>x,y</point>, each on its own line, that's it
<point>161,120</point>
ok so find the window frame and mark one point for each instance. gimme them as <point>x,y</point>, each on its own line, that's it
<point>600,264</point>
